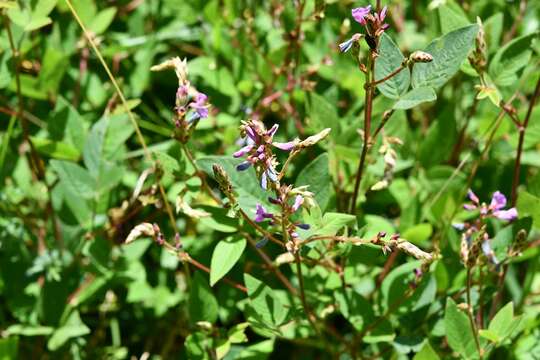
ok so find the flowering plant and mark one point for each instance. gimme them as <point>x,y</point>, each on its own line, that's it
<point>292,179</point>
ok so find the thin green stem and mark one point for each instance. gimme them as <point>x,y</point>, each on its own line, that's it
<point>470,314</point>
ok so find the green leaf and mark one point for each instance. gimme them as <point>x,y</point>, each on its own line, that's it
<point>390,58</point>
<point>504,323</point>
<point>489,335</point>
<point>426,353</point>
<point>29,330</point>
<point>452,16</point>
<point>458,331</point>
<point>75,178</point>
<point>225,255</point>
<point>323,113</point>
<point>330,224</point>
<point>168,165</point>
<point>415,97</point>
<point>418,233</point>
<point>355,308</point>
<point>74,327</point>
<point>245,183</point>
<point>448,53</point>
<point>510,59</point>
<point>397,282</point>
<point>529,205</point>
<point>493,27</point>
<point>9,348</point>
<point>55,149</point>
<point>203,305</point>
<point>265,302</point>
<point>317,175</point>
<point>102,20</point>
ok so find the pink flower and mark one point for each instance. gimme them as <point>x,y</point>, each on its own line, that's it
<point>261,214</point>
<point>359,14</point>
<point>508,215</point>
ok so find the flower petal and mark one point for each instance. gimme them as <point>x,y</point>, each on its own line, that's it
<point>360,13</point>
<point>298,201</point>
<point>288,146</point>
<point>243,151</point>
<point>508,215</point>
<point>472,196</point>
<point>272,130</point>
<point>243,166</point>
<point>498,201</point>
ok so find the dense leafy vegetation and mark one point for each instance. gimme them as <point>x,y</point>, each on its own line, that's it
<point>269,179</point>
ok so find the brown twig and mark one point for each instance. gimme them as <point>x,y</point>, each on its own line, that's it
<point>522,130</point>
<point>271,265</point>
<point>368,105</point>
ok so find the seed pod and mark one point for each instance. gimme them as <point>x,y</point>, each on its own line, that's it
<point>312,140</point>
<point>223,180</point>
<point>146,229</point>
<point>414,251</point>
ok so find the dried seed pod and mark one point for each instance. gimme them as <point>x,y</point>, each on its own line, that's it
<point>144,229</point>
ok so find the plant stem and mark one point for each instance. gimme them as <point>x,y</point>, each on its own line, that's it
<point>271,265</point>
<point>391,75</point>
<point>470,314</point>
<point>368,104</point>
<point>35,162</point>
<point>200,174</point>
<point>309,315</point>
<point>131,117</point>
<point>522,130</point>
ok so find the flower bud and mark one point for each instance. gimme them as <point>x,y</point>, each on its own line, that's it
<point>420,57</point>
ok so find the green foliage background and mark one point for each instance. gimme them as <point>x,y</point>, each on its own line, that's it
<point>70,289</point>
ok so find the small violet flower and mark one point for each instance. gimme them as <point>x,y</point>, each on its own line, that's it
<point>200,105</point>
<point>373,23</point>
<point>359,14</point>
<point>261,214</point>
<point>258,151</point>
<point>495,208</point>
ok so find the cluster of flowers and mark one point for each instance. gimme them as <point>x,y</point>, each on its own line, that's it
<point>373,24</point>
<point>474,235</point>
<point>258,150</point>
<point>190,105</point>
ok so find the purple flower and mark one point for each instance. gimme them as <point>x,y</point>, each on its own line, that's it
<point>261,214</point>
<point>498,201</point>
<point>288,146</point>
<point>508,215</point>
<point>200,106</point>
<point>472,196</point>
<point>298,201</point>
<point>243,151</point>
<point>359,14</point>
<point>382,14</point>
<point>258,151</point>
